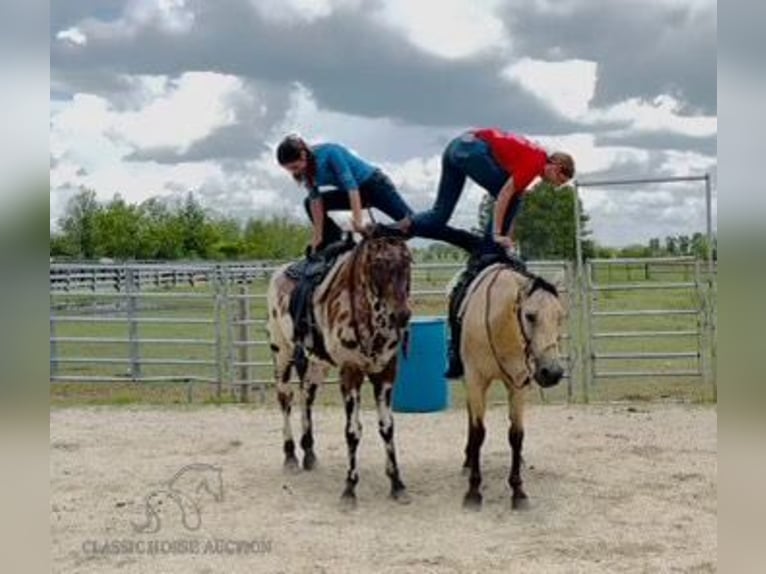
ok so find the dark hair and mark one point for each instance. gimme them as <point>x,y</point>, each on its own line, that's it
<point>289,150</point>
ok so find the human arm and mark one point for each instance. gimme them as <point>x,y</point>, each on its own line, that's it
<point>317,217</point>
<point>345,180</point>
<point>507,197</point>
<point>356,210</point>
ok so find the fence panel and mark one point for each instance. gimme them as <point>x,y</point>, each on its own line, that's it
<point>646,330</point>
<point>634,325</point>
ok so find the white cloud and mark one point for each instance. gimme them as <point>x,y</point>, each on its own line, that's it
<point>590,158</point>
<point>174,114</point>
<point>90,139</point>
<point>286,11</point>
<point>449,28</point>
<point>73,35</point>
<point>567,86</point>
<point>171,16</point>
<point>661,114</point>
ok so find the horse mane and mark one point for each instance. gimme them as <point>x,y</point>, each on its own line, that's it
<point>540,283</point>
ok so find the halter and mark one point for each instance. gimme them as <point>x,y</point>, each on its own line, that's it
<point>527,340</point>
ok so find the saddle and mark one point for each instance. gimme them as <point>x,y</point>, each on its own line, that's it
<point>488,254</point>
<point>309,273</point>
<point>476,264</point>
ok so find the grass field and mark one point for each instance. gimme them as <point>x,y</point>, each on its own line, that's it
<point>189,305</point>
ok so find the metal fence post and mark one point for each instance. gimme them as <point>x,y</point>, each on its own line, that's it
<point>135,359</point>
<point>587,329</point>
<point>582,332</point>
<point>243,336</point>
<point>711,289</point>
<point>54,365</point>
<point>217,287</point>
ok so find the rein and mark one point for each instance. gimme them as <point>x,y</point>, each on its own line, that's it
<point>527,342</point>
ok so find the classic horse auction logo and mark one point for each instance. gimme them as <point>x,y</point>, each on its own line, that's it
<point>185,490</point>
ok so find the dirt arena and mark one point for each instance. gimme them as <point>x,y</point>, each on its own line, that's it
<point>614,488</point>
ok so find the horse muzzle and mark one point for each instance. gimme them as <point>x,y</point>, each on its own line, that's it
<point>549,375</point>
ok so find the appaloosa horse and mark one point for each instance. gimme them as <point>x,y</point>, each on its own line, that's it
<point>362,312</point>
<point>512,324</point>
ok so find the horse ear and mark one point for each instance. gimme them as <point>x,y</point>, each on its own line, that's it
<point>559,281</point>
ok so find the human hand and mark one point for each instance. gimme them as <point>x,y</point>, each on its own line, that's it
<point>504,241</point>
<point>358,226</point>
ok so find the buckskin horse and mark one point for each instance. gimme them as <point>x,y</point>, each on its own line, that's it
<point>361,313</point>
<point>512,324</point>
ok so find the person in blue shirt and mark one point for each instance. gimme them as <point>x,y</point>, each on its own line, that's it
<point>353,185</point>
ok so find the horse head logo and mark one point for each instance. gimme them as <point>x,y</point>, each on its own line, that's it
<point>186,491</point>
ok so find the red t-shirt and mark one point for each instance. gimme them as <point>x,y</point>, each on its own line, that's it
<point>518,156</point>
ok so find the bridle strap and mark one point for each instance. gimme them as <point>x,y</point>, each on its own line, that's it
<point>527,343</point>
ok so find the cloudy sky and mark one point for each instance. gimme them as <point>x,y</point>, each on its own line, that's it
<point>157,97</point>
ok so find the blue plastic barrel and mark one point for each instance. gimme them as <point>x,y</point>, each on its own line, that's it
<point>420,385</point>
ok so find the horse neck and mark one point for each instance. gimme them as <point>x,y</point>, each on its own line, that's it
<point>506,296</point>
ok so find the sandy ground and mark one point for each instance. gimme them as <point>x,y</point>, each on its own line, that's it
<point>613,489</point>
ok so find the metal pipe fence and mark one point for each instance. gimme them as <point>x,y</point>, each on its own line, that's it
<point>206,323</point>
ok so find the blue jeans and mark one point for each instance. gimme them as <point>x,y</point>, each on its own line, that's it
<point>377,191</point>
<point>465,156</point>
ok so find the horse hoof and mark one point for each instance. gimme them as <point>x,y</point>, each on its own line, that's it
<point>520,502</point>
<point>348,501</point>
<point>291,465</point>
<point>309,461</point>
<point>401,496</point>
<point>472,501</point>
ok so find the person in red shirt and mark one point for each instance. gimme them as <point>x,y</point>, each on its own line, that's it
<point>502,163</point>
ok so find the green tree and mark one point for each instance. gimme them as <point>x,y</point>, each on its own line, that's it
<point>684,244</point>
<point>116,230</point>
<point>545,227</point>
<point>79,224</point>
<point>671,245</point>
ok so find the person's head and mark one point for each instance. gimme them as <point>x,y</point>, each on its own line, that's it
<point>559,169</point>
<point>295,156</point>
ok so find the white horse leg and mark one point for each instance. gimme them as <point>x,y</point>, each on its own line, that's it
<point>382,387</point>
<point>314,376</point>
<point>282,368</point>
<point>351,381</point>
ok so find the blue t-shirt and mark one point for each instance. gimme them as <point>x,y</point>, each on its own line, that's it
<point>338,168</point>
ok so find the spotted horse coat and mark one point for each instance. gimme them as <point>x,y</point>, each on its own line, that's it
<point>362,311</point>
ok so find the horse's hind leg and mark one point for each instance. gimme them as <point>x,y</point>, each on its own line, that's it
<point>382,386</point>
<point>282,368</point>
<point>314,375</point>
<point>477,389</point>
<point>350,382</point>
<point>519,498</point>
<point>467,460</point>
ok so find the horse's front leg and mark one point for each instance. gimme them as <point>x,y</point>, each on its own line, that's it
<point>314,376</point>
<point>519,498</point>
<point>350,382</point>
<point>477,388</point>
<point>282,367</point>
<point>382,384</point>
